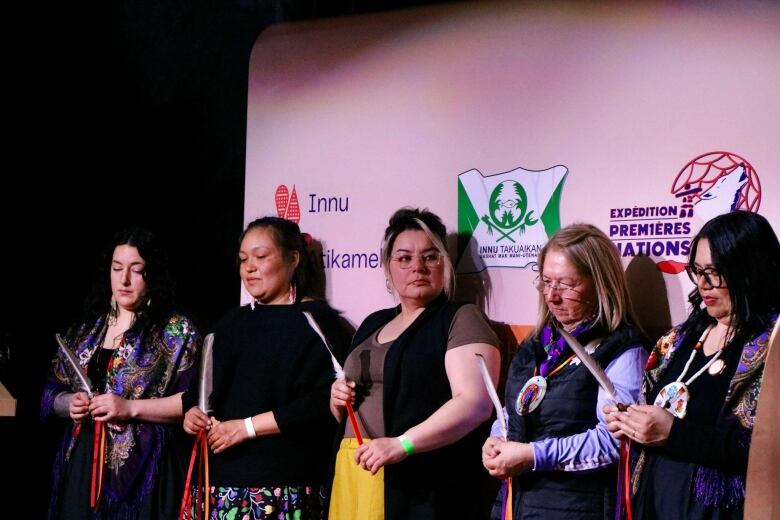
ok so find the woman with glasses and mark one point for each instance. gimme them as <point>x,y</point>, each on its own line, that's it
<point>691,438</point>
<point>560,453</point>
<point>417,390</point>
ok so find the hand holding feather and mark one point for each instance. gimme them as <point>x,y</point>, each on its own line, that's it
<point>78,407</point>
<point>342,391</point>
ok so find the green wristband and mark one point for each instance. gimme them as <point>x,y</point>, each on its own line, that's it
<point>407,444</point>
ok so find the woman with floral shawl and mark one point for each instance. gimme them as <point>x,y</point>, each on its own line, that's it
<point>119,458</point>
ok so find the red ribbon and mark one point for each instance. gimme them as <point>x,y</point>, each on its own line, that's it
<point>201,446</point>
<point>624,472</point>
<point>353,420</point>
<point>98,460</point>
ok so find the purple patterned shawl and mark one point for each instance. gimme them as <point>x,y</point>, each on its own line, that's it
<point>161,364</point>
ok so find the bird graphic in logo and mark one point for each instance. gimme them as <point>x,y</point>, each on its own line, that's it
<point>508,208</point>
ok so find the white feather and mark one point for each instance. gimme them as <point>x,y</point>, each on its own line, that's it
<point>85,383</point>
<point>206,373</point>
<point>339,371</point>
<point>591,364</point>
<point>493,396</point>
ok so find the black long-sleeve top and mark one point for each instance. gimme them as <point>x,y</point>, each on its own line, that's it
<point>700,471</point>
<point>700,438</point>
<point>270,359</point>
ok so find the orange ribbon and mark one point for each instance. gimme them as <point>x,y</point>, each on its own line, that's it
<point>508,509</point>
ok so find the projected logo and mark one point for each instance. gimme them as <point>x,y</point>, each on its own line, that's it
<point>505,219</point>
<point>508,211</point>
<point>287,204</point>
<point>715,183</point>
<point>711,184</point>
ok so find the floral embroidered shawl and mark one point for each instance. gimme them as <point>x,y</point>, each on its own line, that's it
<point>161,363</point>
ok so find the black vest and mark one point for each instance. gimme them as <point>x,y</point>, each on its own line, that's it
<point>568,408</point>
<point>439,484</point>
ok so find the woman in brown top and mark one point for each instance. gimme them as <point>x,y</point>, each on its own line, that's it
<point>417,389</point>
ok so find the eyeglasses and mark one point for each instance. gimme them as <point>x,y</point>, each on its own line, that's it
<point>712,277</point>
<point>547,286</point>
<point>407,261</point>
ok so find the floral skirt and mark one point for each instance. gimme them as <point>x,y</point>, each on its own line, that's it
<point>266,503</point>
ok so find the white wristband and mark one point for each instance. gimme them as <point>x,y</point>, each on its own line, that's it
<point>250,428</point>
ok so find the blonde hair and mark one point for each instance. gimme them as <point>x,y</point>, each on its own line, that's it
<point>413,219</point>
<point>594,255</point>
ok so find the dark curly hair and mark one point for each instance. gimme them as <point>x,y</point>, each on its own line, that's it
<point>158,300</point>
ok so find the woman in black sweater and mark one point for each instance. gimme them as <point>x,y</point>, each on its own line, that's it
<point>270,430</point>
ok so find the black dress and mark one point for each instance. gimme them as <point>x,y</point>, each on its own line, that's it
<point>144,461</point>
<point>164,500</point>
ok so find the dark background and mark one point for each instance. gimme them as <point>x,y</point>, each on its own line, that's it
<point>121,113</point>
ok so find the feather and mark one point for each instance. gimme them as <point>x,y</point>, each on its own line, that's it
<point>84,381</point>
<point>206,379</point>
<point>493,395</point>
<point>774,338</point>
<point>339,371</point>
<point>591,364</point>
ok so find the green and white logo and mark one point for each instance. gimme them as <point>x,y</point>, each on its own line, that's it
<point>508,210</point>
<point>505,219</point>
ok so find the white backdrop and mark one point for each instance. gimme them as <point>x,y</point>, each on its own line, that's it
<point>363,115</point>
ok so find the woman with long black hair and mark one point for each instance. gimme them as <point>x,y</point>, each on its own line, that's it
<point>692,435</point>
<point>140,356</point>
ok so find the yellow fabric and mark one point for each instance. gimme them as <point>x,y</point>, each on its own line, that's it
<point>356,494</point>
